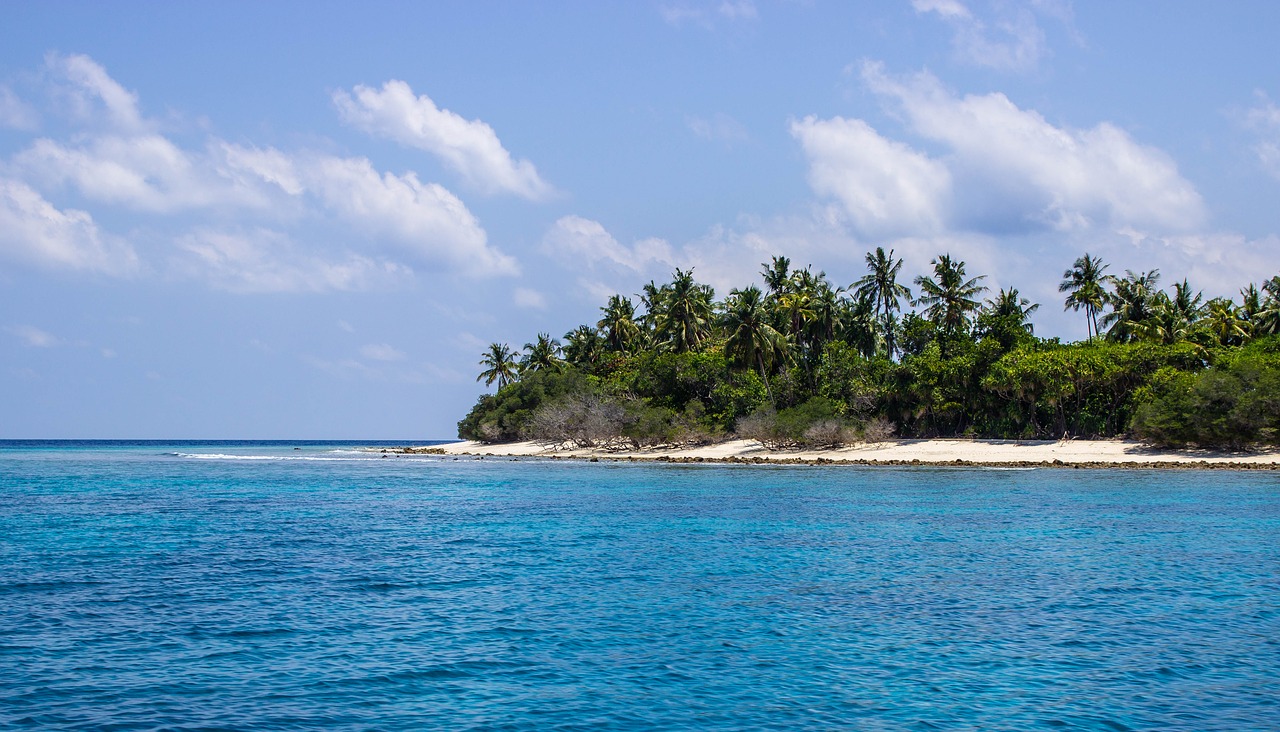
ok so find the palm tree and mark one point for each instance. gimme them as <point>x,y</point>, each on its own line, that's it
<point>583,346</point>
<point>1224,320</point>
<point>651,297</point>
<point>949,297</point>
<point>776,274</point>
<point>621,332</point>
<point>501,365</point>
<point>542,354</point>
<point>1009,306</point>
<point>752,340</point>
<point>683,319</point>
<point>1267,319</point>
<point>1085,283</point>
<point>880,285</point>
<point>1131,304</point>
<point>858,326</point>
<point>1171,319</point>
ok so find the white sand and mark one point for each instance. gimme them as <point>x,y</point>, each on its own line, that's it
<point>1070,452</point>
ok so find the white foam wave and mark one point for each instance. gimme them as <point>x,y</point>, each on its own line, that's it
<point>276,458</point>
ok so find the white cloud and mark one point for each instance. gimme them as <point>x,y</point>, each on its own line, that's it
<point>1264,120</point>
<point>35,231</point>
<point>425,220</point>
<point>1004,156</point>
<point>706,14</point>
<point>885,187</point>
<point>380,352</point>
<point>250,166</point>
<point>719,127</point>
<point>143,172</point>
<point>1219,262</point>
<point>132,166</point>
<point>1015,43</point>
<point>470,147</point>
<point>944,8</point>
<point>33,336</point>
<point>260,261</point>
<point>15,113</point>
<point>526,298</point>
<point>576,240</point>
<point>92,95</point>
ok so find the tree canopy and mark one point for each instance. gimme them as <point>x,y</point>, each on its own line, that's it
<point>675,364</point>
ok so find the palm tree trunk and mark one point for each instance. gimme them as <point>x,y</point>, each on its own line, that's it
<point>765,376</point>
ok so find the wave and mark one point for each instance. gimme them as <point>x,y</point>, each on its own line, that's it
<point>356,457</point>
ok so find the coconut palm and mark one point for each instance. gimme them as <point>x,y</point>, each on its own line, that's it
<point>683,318</point>
<point>501,365</point>
<point>541,355</point>
<point>752,340</point>
<point>1131,305</point>
<point>859,326</point>
<point>796,302</point>
<point>949,297</point>
<point>1225,323</point>
<point>1267,319</point>
<point>880,285</point>
<point>1085,283</point>
<point>621,332</point>
<point>776,274</point>
<point>1011,307</point>
<point>583,346</point>
<point>1171,319</point>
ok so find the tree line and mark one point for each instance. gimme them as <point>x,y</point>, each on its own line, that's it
<point>803,361</point>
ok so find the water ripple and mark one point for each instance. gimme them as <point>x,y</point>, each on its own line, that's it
<point>161,592</point>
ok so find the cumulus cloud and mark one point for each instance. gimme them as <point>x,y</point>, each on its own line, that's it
<point>33,230</point>
<point>260,260</point>
<point>1220,262</point>
<point>577,241</point>
<point>470,147</point>
<point>424,219</point>
<point>1004,169</point>
<point>1066,177</point>
<point>144,172</point>
<point>123,161</point>
<point>1013,42</point>
<point>885,187</point>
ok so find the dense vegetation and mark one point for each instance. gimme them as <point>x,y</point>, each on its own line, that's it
<point>804,362</point>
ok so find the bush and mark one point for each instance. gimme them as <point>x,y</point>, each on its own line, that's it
<point>878,429</point>
<point>814,423</point>
<point>585,420</point>
<point>1234,405</point>
<point>502,417</point>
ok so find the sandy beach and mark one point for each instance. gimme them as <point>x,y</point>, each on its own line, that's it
<point>1012,453</point>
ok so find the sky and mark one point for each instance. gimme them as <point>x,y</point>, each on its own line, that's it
<point>307,220</point>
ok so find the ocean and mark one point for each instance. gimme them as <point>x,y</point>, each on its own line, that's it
<point>270,585</point>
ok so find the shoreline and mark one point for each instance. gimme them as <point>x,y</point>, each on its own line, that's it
<point>1104,454</point>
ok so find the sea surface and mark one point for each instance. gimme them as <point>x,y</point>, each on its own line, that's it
<point>249,585</point>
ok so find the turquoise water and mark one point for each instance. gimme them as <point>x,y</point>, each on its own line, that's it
<point>258,586</point>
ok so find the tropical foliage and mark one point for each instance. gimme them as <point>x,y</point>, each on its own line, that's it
<point>801,361</point>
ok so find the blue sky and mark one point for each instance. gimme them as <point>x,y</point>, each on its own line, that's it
<point>307,220</point>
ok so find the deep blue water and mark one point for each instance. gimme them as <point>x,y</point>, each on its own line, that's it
<point>255,586</point>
